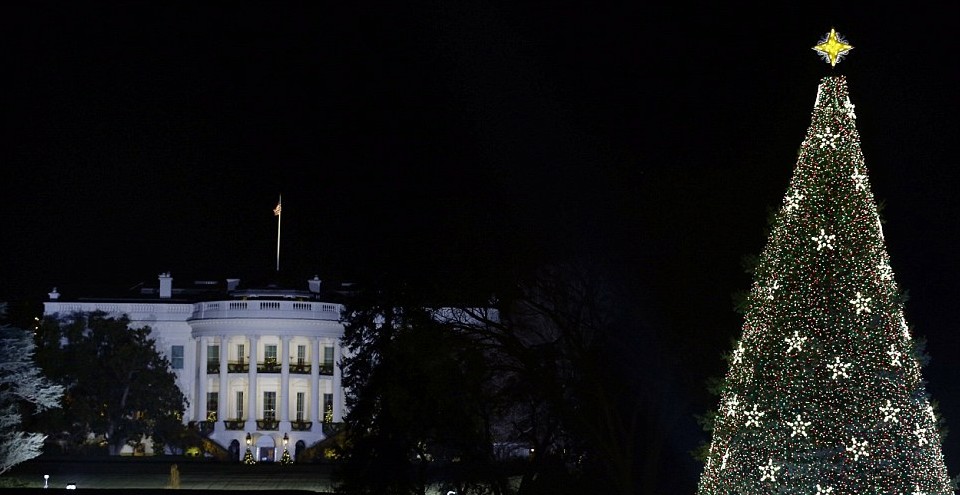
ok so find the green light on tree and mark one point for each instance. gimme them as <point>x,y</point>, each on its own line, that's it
<point>824,393</point>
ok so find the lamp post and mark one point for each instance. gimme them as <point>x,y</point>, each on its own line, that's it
<point>248,456</point>
<point>286,440</point>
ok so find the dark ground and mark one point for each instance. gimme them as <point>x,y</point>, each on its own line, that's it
<point>150,474</point>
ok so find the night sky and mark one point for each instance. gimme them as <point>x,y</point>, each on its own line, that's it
<point>463,142</point>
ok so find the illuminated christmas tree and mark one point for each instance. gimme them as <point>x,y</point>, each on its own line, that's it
<point>248,457</point>
<point>824,393</point>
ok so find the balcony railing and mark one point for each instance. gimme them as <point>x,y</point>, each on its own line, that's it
<point>261,309</point>
<point>268,366</point>
<point>301,425</point>
<point>233,424</point>
<point>268,424</point>
<point>205,427</point>
<point>238,367</point>
<point>213,367</point>
<point>326,369</point>
<point>300,368</point>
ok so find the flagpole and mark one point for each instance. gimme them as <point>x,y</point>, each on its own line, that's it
<point>277,211</point>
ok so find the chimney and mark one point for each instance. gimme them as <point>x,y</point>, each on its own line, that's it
<point>54,295</point>
<point>232,283</point>
<point>166,285</point>
<point>314,285</point>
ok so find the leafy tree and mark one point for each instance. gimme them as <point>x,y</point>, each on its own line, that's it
<point>22,387</point>
<point>415,392</point>
<point>119,387</point>
<point>547,368</point>
<point>563,350</point>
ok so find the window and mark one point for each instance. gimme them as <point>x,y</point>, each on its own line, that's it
<point>300,402</point>
<point>176,357</point>
<point>269,406</point>
<point>213,354</point>
<point>240,355</point>
<point>239,404</point>
<point>213,403</point>
<point>328,357</point>
<point>328,408</point>
<point>270,353</point>
<point>301,355</point>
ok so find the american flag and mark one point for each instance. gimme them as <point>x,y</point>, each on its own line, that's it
<point>276,211</point>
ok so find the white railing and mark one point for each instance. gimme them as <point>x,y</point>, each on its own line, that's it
<point>265,309</point>
<point>136,311</point>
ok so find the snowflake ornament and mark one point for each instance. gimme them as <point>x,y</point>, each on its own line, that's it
<point>827,139</point>
<point>732,404</point>
<point>753,417</point>
<point>824,240</point>
<point>921,434</point>
<point>799,427</point>
<point>904,328</point>
<point>933,417</point>
<point>738,353</point>
<point>769,471</point>
<point>859,180</point>
<point>859,449</point>
<point>839,369</point>
<point>889,412</point>
<point>824,490</point>
<point>793,201</point>
<point>894,356</point>
<point>886,273</point>
<point>772,288</point>
<point>795,342</point>
<point>848,106</point>
<point>861,304</point>
<point>917,491</point>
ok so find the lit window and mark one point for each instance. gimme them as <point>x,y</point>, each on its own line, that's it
<point>269,406</point>
<point>270,353</point>
<point>240,404</point>
<point>301,400</point>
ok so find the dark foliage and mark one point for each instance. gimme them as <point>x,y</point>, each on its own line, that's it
<point>119,387</point>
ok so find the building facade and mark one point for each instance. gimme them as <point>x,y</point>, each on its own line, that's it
<point>258,365</point>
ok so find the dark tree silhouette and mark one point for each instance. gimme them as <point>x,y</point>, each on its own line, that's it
<point>119,387</point>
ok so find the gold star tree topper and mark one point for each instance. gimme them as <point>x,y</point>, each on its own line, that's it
<point>833,47</point>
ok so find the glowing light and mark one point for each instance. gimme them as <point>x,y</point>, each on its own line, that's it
<point>769,471</point>
<point>823,240</point>
<point>858,449</point>
<point>799,427</point>
<point>795,342</point>
<point>753,416</point>
<point>889,412</point>
<point>825,292</point>
<point>832,47</point>
<point>861,303</point>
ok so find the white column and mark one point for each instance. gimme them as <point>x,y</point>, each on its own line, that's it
<point>284,383</point>
<point>252,386</point>
<point>202,380</point>
<point>337,387</point>
<point>316,416</point>
<point>224,387</point>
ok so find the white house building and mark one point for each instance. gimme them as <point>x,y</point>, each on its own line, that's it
<point>258,365</point>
